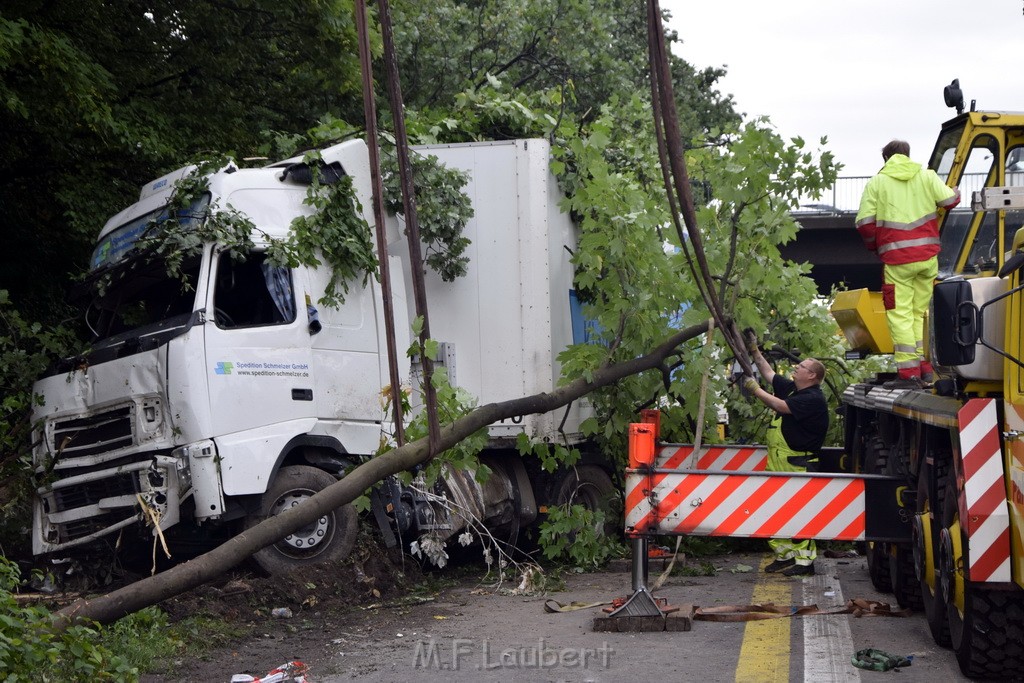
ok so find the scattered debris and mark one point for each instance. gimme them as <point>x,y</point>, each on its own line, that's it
<point>404,601</point>
<point>281,613</point>
<point>292,672</point>
<point>235,587</point>
<point>555,606</point>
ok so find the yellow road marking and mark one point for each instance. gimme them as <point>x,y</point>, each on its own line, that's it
<point>764,656</point>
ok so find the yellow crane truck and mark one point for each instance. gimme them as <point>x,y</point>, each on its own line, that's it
<point>957,447</point>
<point>931,479</point>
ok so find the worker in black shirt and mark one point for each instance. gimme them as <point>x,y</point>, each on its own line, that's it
<point>795,436</point>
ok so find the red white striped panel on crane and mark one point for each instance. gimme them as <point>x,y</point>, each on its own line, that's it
<point>759,505</point>
<point>987,523</point>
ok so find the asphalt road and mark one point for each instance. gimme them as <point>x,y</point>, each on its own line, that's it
<point>477,634</point>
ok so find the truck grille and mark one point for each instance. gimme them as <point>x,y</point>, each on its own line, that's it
<point>92,492</point>
<point>100,433</point>
<point>83,527</point>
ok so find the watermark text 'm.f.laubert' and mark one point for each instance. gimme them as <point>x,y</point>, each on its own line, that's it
<point>463,653</point>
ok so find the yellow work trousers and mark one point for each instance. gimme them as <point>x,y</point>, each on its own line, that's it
<point>910,292</point>
<point>779,460</point>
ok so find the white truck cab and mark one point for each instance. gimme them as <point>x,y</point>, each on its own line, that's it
<point>225,398</point>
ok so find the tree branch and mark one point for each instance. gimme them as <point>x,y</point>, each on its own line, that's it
<point>112,606</point>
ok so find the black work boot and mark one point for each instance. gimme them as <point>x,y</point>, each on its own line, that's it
<point>799,570</point>
<point>779,565</point>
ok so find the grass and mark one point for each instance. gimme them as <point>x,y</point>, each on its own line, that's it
<point>148,642</point>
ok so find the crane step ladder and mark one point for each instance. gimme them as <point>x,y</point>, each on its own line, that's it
<point>726,491</point>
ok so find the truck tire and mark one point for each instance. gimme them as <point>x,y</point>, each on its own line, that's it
<point>591,487</point>
<point>876,457</point>
<point>926,548</point>
<point>987,633</point>
<point>330,538</point>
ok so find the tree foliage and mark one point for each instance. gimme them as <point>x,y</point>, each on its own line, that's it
<point>591,51</point>
<point>26,349</point>
<point>97,98</point>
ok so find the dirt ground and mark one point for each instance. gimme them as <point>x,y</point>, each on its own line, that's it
<point>285,618</point>
<point>360,621</point>
<point>382,618</point>
<point>373,619</point>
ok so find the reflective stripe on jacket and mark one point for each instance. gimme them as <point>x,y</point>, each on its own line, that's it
<point>898,214</point>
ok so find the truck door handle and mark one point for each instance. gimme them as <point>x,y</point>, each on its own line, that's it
<point>302,394</point>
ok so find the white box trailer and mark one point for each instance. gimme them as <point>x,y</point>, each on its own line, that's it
<point>510,316</point>
<point>220,403</point>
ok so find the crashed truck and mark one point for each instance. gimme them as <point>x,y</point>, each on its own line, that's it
<point>930,479</point>
<point>199,411</point>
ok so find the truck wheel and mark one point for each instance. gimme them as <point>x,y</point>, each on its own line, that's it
<point>329,538</point>
<point>591,487</point>
<point>925,529</point>
<point>876,457</point>
<point>986,626</point>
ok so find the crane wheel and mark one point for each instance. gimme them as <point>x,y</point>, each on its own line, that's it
<point>876,458</point>
<point>926,555</point>
<point>986,626</point>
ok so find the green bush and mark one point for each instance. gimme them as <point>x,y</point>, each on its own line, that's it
<point>31,650</point>
<point>26,350</point>
<point>575,534</point>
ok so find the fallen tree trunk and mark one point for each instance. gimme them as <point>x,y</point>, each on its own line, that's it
<point>112,606</point>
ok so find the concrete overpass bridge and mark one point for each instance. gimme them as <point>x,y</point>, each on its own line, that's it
<point>829,241</point>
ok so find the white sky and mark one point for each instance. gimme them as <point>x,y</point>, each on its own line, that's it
<point>861,72</point>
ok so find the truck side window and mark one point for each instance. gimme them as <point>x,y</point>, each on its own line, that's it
<point>252,293</point>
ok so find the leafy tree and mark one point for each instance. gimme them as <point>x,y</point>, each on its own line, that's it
<point>591,50</point>
<point>26,349</point>
<point>96,98</point>
<point>631,270</point>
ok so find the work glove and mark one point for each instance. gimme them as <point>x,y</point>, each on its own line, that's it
<point>751,338</point>
<point>751,385</point>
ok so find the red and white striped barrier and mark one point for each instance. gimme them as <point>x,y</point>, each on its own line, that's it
<point>726,491</point>
<point>723,458</point>
<point>757,505</point>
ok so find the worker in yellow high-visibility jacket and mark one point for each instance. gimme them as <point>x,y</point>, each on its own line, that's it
<point>898,219</point>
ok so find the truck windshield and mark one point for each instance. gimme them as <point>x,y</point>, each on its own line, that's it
<point>143,299</point>
<point>133,295</point>
<point>122,240</point>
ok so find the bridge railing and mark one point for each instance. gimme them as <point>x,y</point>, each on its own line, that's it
<point>845,194</point>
